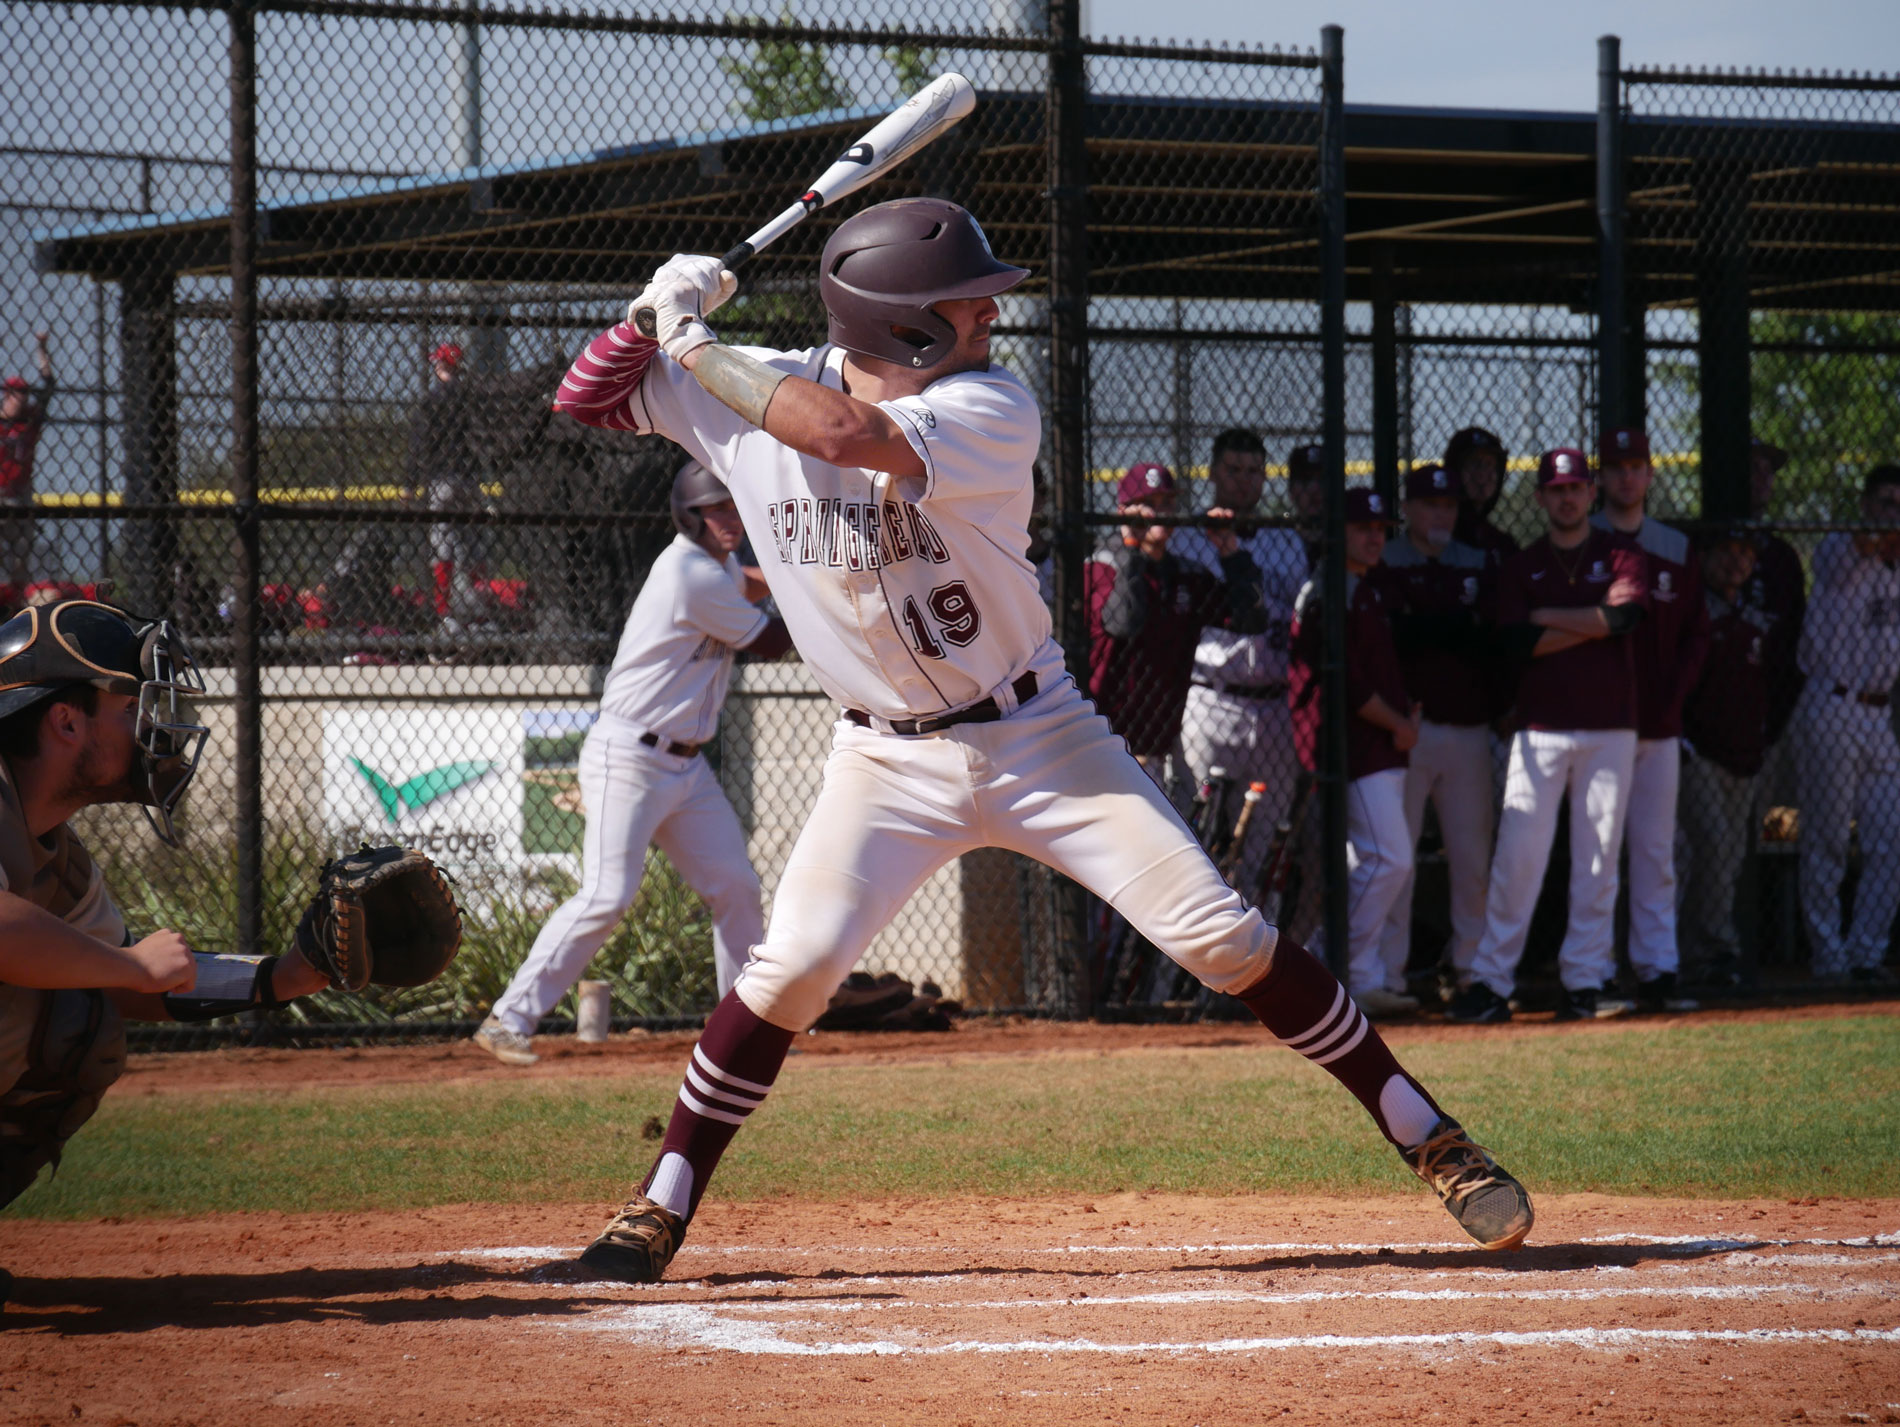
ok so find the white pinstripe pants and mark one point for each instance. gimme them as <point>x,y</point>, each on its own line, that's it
<point>1378,869</point>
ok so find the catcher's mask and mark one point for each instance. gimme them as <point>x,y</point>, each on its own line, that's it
<point>53,647</point>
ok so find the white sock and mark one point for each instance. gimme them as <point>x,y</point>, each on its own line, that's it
<point>1409,1116</point>
<point>672,1185</point>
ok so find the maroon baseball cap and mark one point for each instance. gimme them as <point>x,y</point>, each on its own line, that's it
<point>1365,506</point>
<point>449,354</point>
<point>1624,444</point>
<point>1306,463</point>
<point>1143,481</point>
<point>1565,466</point>
<point>1430,481</point>
<point>14,384</point>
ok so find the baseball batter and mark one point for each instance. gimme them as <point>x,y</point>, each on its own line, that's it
<point>91,712</point>
<point>1669,646</point>
<point>1581,590</point>
<point>885,476</point>
<point>1846,754</point>
<point>1439,592</point>
<point>641,777</point>
<point>1237,716</point>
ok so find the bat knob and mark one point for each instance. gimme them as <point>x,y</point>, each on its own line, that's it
<point>647,322</point>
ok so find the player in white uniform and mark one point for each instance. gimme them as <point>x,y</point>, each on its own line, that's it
<point>1237,717</point>
<point>1846,755</point>
<point>886,479</point>
<point>641,777</point>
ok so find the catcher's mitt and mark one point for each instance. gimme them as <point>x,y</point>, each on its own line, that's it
<point>381,914</point>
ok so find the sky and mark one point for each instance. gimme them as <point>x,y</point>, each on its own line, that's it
<point>1530,54</point>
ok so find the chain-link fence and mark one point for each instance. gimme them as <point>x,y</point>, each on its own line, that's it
<point>319,437</point>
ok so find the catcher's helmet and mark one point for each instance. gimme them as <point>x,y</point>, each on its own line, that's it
<point>694,486</point>
<point>52,647</point>
<point>884,267</point>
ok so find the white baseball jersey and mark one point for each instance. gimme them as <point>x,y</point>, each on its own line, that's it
<point>1852,633</point>
<point>674,663</point>
<point>905,597</point>
<point>1249,660</point>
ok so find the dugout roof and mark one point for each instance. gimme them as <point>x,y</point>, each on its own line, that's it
<point>1190,198</point>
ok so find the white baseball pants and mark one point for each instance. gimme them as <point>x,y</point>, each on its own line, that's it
<point>1849,768</point>
<point>634,796</point>
<point>1378,868</point>
<point>1253,740</point>
<point>1051,781</point>
<point>1649,835</point>
<point>1593,765</point>
<point>1716,816</point>
<point>1451,766</point>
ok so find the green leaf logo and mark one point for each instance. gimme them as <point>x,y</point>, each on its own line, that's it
<point>423,789</point>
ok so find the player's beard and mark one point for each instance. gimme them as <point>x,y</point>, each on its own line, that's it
<point>90,782</point>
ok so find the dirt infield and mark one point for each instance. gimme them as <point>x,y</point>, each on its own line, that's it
<point>1129,1309</point>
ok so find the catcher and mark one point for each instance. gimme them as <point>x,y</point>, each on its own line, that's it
<point>93,710</point>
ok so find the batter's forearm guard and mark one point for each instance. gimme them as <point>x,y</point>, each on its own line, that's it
<point>226,985</point>
<point>743,383</point>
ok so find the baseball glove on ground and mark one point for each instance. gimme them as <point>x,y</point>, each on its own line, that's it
<point>382,915</point>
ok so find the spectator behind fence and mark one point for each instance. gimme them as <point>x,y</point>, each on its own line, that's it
<point>1778,591</point>
<point>1439,594</point>
<point>442,466</point>
<point>1574,595</point>
<point>1669,646</point>
<point>1724,738</point>
<point>1847,758</point>
<point>1147,608</point>
<point>22,418</point>
<point>1478,462</point>
<point>1381,729</point>
<point>1236,717</point>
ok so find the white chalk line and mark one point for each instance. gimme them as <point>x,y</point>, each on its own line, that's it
<point>695,1326</point>
<point>1699,1292</point>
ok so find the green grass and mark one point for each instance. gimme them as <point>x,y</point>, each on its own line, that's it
<point>1706,1111</point>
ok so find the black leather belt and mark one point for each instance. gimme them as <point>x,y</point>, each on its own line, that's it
<point>1245,691</point>
<point>983,711</point>
<point>1872,701</point>
<point>678,750</point>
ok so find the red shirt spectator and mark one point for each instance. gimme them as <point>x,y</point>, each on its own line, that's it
<point>1375,685</point>
<point>22,418</point>
<point>1147,610</point>
<point>1592,684</point>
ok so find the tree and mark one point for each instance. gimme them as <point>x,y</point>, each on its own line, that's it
<point>782,78</point>
<point>1824,388</point>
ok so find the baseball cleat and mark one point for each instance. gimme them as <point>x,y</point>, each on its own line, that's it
<point>638,1242</point>
<point>1593,1003</point>
<point>1478,1004</point>
<point>508,1047</point>
<point>1661,994</point>
<point>1379,1002</point>
<point>1486,1201</point>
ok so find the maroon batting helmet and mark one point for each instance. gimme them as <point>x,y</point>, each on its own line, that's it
<point>694,486</point>
<point>885,266</point>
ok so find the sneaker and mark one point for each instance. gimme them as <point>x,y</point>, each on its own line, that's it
<point>1380,1002</point>
<point>508,1047</point>
<point>1487,1202</point>
<point>1660,994</point>
<point>1478,1005</point>
<point>638,1242</point>
<point>1593,1003</point>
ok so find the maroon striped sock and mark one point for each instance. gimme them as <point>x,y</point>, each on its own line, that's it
<point>1307,1010</point>
<point>732,1068</point>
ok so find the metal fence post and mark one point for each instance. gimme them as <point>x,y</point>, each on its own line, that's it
<point>1332,266</point>
<point>1613,314</point>
<point>1385,378</point>
<point>1067,139</point>
<point>247,760</point>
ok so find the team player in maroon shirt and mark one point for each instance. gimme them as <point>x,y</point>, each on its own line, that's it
<point>1669,645</point>
<point>1585,590</point>
<point>1478,461</point>
<point>1778,592</point>
<point>1724,740</point>
<point>1440,593</point>
<point>1146,612</point>
<point>1380,733</point>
